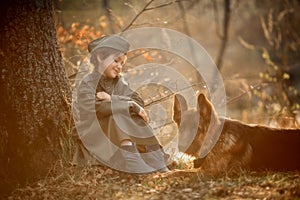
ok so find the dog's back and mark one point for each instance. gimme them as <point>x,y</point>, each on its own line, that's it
<point>240,145</point>
<point>276,149</point>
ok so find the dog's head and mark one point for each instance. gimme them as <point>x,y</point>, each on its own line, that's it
<point>193,124</point>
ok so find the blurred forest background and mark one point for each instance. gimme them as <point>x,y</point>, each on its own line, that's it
<point>255,44</point>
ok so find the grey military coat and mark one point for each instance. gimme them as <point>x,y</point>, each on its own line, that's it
<point>103,124</point>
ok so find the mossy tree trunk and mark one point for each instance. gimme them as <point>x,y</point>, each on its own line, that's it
<point>35,94</point>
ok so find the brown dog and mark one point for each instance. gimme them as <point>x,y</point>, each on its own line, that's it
<point>240,146</point>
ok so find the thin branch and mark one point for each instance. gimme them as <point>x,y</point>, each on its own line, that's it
<point>131,6</point>
<point>151,8</point>
<point>188,7</point>
<point>172,94</point>
<point>246,44</point>
<point>135,18</point>
<point>242,94</point>
<point>166,4</point>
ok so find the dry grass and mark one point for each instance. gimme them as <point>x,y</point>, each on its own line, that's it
<point>98,182</point>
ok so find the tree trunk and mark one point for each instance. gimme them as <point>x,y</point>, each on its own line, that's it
<point>35,94</point>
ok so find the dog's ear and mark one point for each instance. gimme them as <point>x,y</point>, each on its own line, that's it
<point>205,107</point>
<point>179,107</point>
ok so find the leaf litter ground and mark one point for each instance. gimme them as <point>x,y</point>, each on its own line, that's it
<point>98,182</point>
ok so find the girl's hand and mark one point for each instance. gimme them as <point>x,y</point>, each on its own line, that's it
<point>103,96</point>
<point>139,110</point>
<point>144,115</point>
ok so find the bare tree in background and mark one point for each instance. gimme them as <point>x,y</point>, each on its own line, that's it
<point>35,94</point>
<point>225,30</point>
<point>106,6</point>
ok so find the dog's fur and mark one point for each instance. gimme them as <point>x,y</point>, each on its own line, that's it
<point>240,146</point>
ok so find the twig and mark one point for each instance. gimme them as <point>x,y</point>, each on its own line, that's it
<point>166,4</point>
<point>242,94</point>
<point>170,95</point>
<point>151,8</point>
<point>135,18</point>
<point>246,44</point>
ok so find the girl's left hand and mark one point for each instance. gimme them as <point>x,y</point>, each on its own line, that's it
<point>144,115</point>
<point>103,96</point>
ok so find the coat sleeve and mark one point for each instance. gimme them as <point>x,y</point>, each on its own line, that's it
<point>88,103</point>
<point>118,104</point>
<point>105,108</point>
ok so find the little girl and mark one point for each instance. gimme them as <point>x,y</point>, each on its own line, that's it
<point>119,109</point>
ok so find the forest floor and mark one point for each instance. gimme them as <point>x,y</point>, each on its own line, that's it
<point>98,182</point>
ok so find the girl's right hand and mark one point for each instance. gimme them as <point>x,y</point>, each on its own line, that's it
<point>139,110</point>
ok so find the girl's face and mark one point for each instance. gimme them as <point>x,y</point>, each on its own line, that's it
<point>115,68</point>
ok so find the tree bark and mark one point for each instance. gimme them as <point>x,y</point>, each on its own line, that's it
<point>35,94</point>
